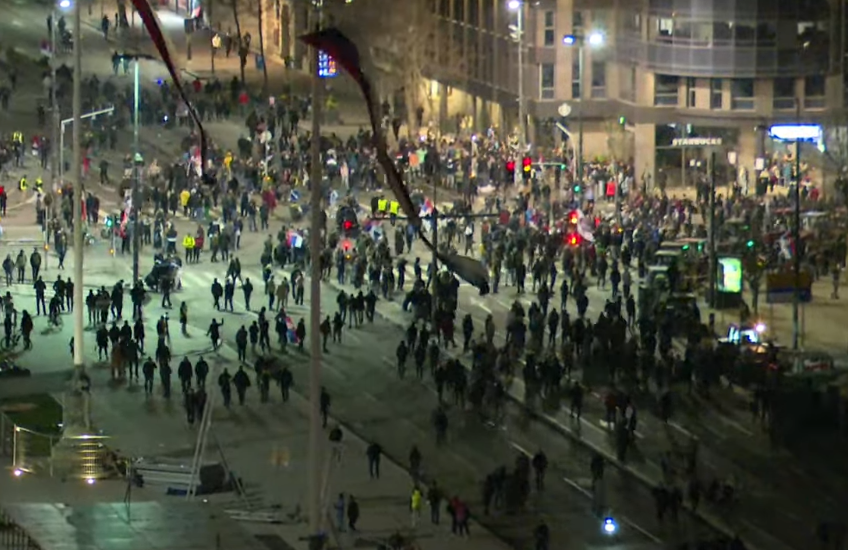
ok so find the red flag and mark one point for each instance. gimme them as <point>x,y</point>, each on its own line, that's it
<point>338,46</point>
<point>144,10</point>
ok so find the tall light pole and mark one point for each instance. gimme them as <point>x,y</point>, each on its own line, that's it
<point>137,162</point>
<point>54,110</point>
<point>79,297</point>
<point>797,134</point>
<point>136,190</point>
<point>517,34</point>
<point>316,433</point>
<point>593,40</point>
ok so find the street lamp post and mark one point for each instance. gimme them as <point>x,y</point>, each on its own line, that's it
<point>797,134</point>
<point>136,190</point>
<point>66,122</point>
<point>518,36</point>
<point>79,297</point>
<point>594,40</point>
<point>137,161</point>
<point>316,433</point>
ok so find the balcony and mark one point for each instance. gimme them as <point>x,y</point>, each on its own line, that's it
<point>718,60</point>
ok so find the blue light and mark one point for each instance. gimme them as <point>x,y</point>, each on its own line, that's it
<point>610,527</point>
<point>569,40</point>
<point>326,66</point>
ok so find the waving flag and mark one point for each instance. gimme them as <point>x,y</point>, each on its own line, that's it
<point>339,47</point>
<point>291,330</point>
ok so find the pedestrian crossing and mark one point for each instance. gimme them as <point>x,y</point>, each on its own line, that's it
<point>108,206</point>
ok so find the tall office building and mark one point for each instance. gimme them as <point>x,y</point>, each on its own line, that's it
<point>657,70</point>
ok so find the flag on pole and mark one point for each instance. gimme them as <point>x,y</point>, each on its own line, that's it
<point>338,46</point>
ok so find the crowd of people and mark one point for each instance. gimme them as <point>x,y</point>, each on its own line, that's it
<point>617,345</point>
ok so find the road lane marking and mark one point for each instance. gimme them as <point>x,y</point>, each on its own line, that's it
<point>765,534</point>
<point>680,429</point>
<point>520,449</point>
<point>579,488</point>
<point>588,494</point>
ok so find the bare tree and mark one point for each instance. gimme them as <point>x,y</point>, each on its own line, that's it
<point>260,16</point>
<point>238,39</point>
<point>835,152</point>
<point>409,46</point>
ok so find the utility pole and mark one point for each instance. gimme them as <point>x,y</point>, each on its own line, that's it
<point>581,76</point>
<point>136,190</point>
<point>56,121</point>
<point>138,161</point>
<point>79,297</point>
<point>435,215</point>
<point>518,36</point>
<point>712,235</point>
<point>593,40</point>
<point>796,239</point>
<point>316,433</point>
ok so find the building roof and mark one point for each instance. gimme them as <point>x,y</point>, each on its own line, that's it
<point>149,526</point>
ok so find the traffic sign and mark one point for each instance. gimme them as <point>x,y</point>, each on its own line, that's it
<point>294,196</point>
<point>564,110</point>
<point>780,287</point>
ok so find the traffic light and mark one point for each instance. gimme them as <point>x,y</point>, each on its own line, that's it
<point>750,244</point>
<point>510,170</point>
<point>573,239</point>
<point>622,121</point>
<point>526,167</point>
<point>573,217</point>
<point>577,187</point>
<point>109,221</point>
<point>347,225</point>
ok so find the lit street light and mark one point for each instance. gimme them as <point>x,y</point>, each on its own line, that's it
<point>594,39</point>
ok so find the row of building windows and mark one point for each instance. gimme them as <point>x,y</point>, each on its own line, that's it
<point>667,89</point>
<point>742,93</point>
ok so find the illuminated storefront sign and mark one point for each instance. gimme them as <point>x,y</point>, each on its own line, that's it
<point>326,66</point>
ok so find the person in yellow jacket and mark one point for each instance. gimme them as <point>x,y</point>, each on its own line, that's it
<point>39,185</point>
<point>188,244</point>
<point>415,502</point>
<point>184,198</point>
<point>228,164</point>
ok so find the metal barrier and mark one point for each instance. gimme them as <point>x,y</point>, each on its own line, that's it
<point>12,537</point>
<point>32,452</point>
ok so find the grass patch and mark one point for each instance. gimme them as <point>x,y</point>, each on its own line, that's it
<point>38,413</point>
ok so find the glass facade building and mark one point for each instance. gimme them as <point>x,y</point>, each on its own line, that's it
<point>726,68</point>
